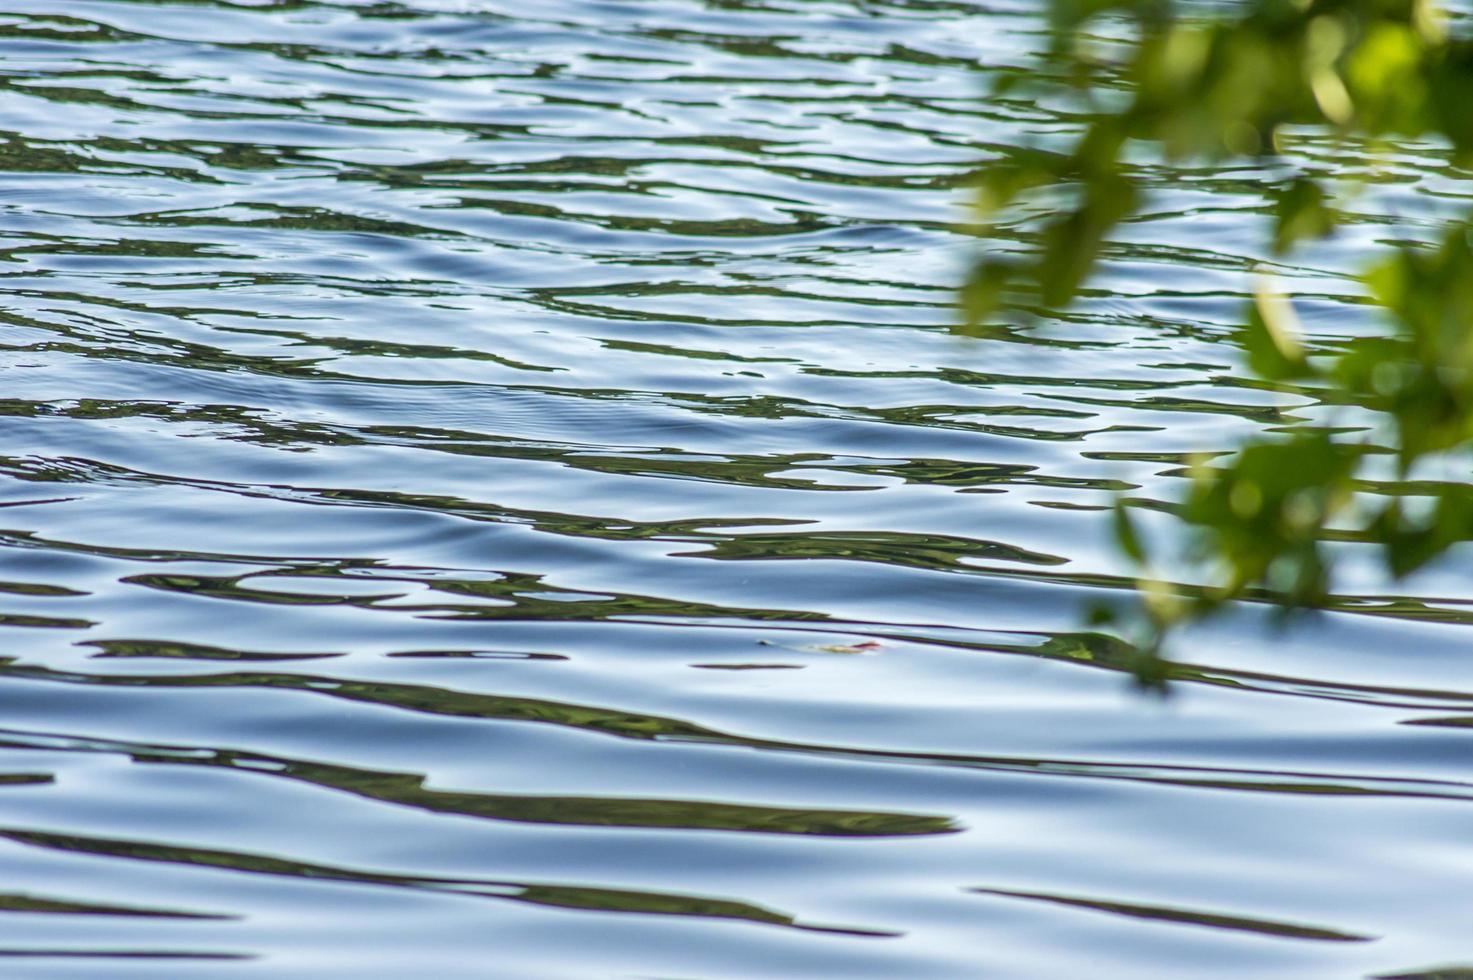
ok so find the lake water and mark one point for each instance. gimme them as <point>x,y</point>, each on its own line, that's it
<point>488,489</point>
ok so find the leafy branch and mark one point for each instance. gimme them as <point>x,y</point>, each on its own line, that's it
<point>1229,82</point>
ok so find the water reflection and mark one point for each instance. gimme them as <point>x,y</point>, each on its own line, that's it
<point>502,483</point>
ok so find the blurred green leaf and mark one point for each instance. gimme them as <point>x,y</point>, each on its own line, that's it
<point>1301,211</point>
<point>1125,534</point>
<point>1272,337</point>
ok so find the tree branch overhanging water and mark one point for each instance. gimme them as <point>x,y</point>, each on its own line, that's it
<point>1175,81</point>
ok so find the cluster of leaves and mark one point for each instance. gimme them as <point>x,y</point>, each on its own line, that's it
<point>1233,81</point>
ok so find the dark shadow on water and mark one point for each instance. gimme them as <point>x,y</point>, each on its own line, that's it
<point>1187,917</point>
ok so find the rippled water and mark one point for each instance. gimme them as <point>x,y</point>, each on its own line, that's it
<point>488,489</point>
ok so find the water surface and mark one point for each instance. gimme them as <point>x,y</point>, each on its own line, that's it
<point>491,489</point>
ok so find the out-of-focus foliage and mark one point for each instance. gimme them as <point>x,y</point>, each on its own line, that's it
<point>1233,80</point>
